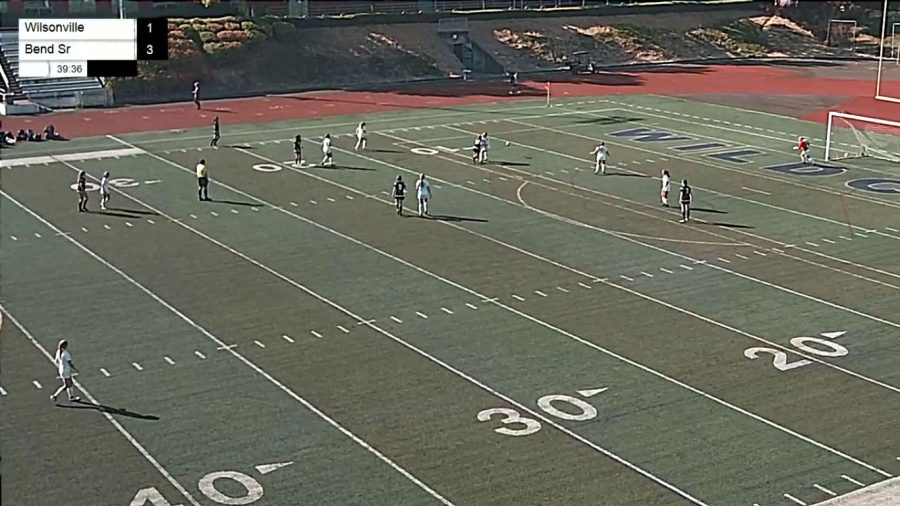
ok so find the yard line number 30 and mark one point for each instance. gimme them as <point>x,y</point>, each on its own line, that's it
<point>514,424</point>
<point>810,345</point>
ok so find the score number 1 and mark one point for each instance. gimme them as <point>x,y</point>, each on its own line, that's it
<point>152,39</point>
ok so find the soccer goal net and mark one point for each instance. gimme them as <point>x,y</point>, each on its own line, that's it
<point>852,136</point>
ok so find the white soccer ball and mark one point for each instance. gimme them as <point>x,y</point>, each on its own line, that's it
<point>507,143</point>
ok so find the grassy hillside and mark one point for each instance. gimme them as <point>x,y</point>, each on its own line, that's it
<point>229,55</point>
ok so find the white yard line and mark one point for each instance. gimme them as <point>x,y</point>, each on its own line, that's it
<point>115,423</point>
<point>241,358</point>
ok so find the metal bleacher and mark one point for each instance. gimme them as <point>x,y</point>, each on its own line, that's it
<point>36,90</point>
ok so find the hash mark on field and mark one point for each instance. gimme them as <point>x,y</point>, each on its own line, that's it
<point>104,226</point>
<point>851,480</point>
<point>329,199</point>
<point>823,489</point>
<point>518,298</point>
<point>128,224</point>
<point>861,235</point>
<point>446,310</point>
<point>313,332</point>
<point>234,211</point>
<point>2,392</point>
<point>194,216</point>
<point>396,320</point>
<point>421,315</point>
<point>37,235</point>
<point>724,260</point>
<point>584,285</point>
<point>104,372</point>
<point>667,271</point>
<point>169,360</point>
<point>501,178</point>
<point>256,342</point>
<point>486,180</point>
<point>814,245</point>
<point>471,306</point>
<point>647,274</point>
<point>343,329</point>
<point>754,190</point>
<point>626,278</point>
<point>37,384</point>
<point>199,354</point>
<point>313,202</point>
<point>349,197</point>
<point>792,498</point>
<point>845,238</point>
<point>254,208</point>
<point>151,222</point>
<point>14,238</point>
<point>470,182</point>
<point>137,366</point>
<point>829,241</point>
<point>742,257</point>
<point>760,253</point>
<point>889,229</point>
<point>561,289</point>
<point>213,213</point>
<point>83,229</point>
<point>287,338</point>
<point>542,294</point>
<point>686,267</point>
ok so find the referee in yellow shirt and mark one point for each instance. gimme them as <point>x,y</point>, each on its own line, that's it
<point>202,182</point>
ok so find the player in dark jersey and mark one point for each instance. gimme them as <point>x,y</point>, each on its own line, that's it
<point>298,150</point>
<point>81,186</point>
<point>399,193</point>
<point>196,94</point>
<point>214,143</point>
<point>476,148</point>
<point>685,197</point>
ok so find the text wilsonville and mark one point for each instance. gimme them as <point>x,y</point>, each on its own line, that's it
<point>38,27</point>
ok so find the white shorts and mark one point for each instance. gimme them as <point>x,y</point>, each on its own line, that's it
<point>424,197</point>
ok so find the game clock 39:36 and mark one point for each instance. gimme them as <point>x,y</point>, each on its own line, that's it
<point>70,68</point>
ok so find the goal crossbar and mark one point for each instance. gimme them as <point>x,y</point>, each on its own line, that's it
<point>882,141</point>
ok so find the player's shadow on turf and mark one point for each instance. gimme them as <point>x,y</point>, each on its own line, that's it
<point>235,203</point>
<point>118,215</point>
<point>607,120</point>
<point>725,225</point>
<point>132,211</point>
<point>447,217</point>
<point>342,167</point>
<point>108,409</point>
<point>385,151</point>
<point>704,210</point>
<point>513,164</point>
<point>624,174</point>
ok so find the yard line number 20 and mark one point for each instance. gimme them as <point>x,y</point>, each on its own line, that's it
<point>810,345</point>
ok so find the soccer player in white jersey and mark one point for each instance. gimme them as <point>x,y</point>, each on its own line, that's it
<point>360,136</point>
<point>602,157</point>
<point>326,150</point>
<point>104,190</point>
<point>423,194</point>
<point>666,186</point>
<point>65,368</point>
<point>484,148</point>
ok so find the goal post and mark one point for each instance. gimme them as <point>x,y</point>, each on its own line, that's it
<point>854,136</point>
<point>886,88</point>
<point>841,34</point>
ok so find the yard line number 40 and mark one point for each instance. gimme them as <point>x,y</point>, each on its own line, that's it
<point>514,424</point>
<point>811,345</point>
